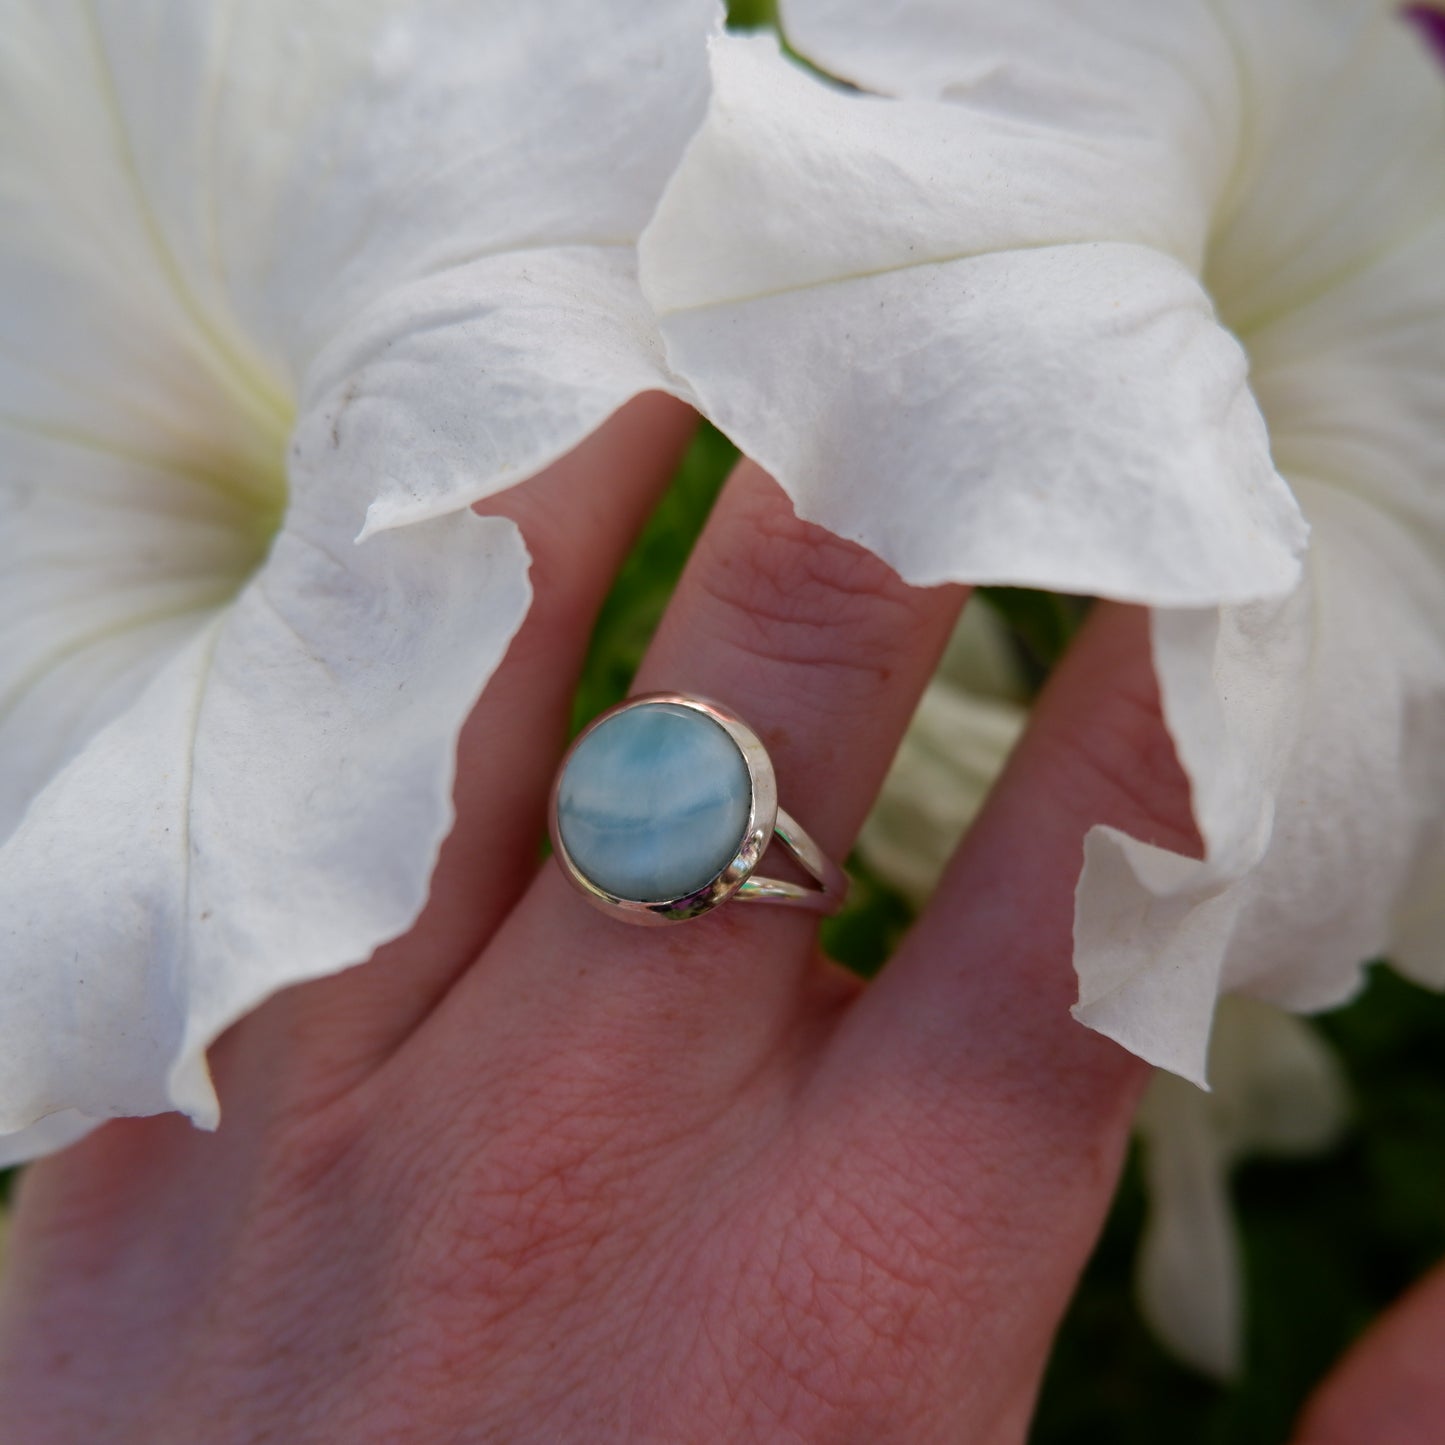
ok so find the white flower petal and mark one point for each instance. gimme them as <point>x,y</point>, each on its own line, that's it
<point>354,146</point>
<point>1152,89</point>
<point>1333,714</point>
<point>1278,1089</point>
<point>107,564</point>
<point>1341,161</point>
<point>1349,821</point>
<point>1311,135</point>
<point>791,182</point>
<point>1188,1276</point>
<point>1306,120</point>
<point>362,166</point>
<point>1352,382</point>
<point>300,747</point>
<point>970,307</point>
<point>931,47</point>
<point>554,340</point>
<point>1278,1086</point>
<point>1314,731</point>
<point>105,343</point>
<point>49,1136</point>
<point>228,760</point>
<point>1006,425</point>
<point>951,757</point>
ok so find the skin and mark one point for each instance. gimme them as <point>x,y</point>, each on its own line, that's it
<point>532,1174</point>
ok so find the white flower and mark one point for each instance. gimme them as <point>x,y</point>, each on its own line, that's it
<point>1037,274</point>
<point>269,272</point>
<point>1278,1089</point>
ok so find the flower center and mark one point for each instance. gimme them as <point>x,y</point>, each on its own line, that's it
<point>242,462</point>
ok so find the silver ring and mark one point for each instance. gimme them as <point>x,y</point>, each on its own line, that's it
<point>663,808</point>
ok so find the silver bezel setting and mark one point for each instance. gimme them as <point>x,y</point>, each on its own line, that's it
<point>762,819</point>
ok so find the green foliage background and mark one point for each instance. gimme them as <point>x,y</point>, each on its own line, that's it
<point>1328,1242</point>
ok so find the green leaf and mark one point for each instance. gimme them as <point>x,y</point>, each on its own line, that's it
<point>1044,623</point>
<point>749,14</point>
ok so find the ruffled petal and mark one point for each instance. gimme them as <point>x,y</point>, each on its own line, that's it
<point>1330,711</point>
<point>359,170</point>
<point>267,811</point>
<point>227,729</point>
<point>1325,229</point>
<point>950,338</point>
<point>49,1136</point>
<point>1188,1274</point>
<point>1195,134</point>
<point>1010,451</point>
<point>1313,731</point>
<point>457,387</point>
<point>1308,123</point>
<point>1153,89</point>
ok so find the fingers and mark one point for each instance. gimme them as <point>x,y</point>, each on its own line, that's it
<point>1390,1387</point>
<point>578,520</point>
<point>964,1051</point>
<point>823,651</point>
<point>995,947</point>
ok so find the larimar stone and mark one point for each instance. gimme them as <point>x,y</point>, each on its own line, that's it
<point>654,802</point>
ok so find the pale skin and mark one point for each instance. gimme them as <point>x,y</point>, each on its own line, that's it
<point>533,1174</point>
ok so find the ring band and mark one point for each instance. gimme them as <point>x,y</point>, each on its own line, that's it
<point>663,808</point>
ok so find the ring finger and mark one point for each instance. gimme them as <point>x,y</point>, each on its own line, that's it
<point>822,650</point>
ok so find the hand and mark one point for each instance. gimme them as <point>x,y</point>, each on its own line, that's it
<point>532,1174</point>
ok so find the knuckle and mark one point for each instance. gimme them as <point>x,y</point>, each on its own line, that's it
<point>309,1175</point>
<point>1118,760</point>
<point>841,1318</point>
<point>314,1153</point>
<point>788,592</point>
<point>545,1204</point>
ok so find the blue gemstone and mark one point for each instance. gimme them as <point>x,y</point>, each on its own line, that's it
<point>654,802</point>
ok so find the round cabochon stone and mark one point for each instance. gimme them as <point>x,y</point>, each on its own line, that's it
<point>654,802</point>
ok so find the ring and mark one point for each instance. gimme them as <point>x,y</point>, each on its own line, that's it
<point>663,807</point>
